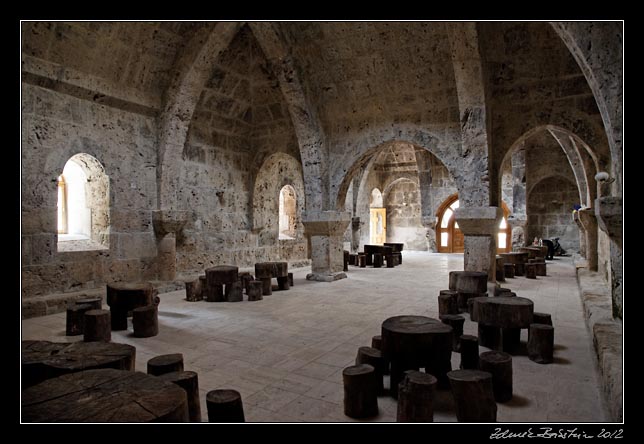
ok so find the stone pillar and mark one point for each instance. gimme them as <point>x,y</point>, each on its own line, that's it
<point>589,222</point>
<point>480,225</point>
<point>582,235</point>
<point>429,222</point>
<point>326,230</point>
<point>355,234</point>
<point>166,226</point>
<point>609,211</point>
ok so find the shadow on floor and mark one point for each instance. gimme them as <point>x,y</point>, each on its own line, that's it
<point>517,401</point>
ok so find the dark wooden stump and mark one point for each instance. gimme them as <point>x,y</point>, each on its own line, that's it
<point>469,352</point>
<point>541,343</point>
<point>376,342</point>
<point>463,298</point>
<point>145,321</point>
<point>508,270</point>
<point>530,271</point>
<point>362,260</point>
<point>471,282</point>
<point>216,278</point>
<point>194,291</point>
<point>75,320</point>
<point>500,271</point>
<point>282,283</point>
<point>377,260</point>
<point>519,269</point>
<point>123,297</point>
<point>162,364</point>
<point>360,391</point>
<point>448,302</point>
<point>373,357</point>
<point>541,318</point>
<point>511,340</point>
<point>489,337</point>
<point>397,258</point>
<point>453,277</point>
<point>345,260</point>
<point>504,312</point>
<point>97,326</point>
<point>353,259</point>
<point>500,291</point>
<point>290,279</point>
<point>43,360</point>
<point>245,278</point>
<point>540,267</point>
<point>416,397</point>
<point>189,382</point>
<point>255,291</point>
<point>235,294</point>
<point>473,395</point>
<point>225,406</point>
<point>104,396</point>
<point>456,322</point>
<point>390,260</point>
<point>96,303</point>
<point>267,287</point>
<point>499,364</point>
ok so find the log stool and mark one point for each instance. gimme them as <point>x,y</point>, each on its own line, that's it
<point>469,352</point>
<point>471,282</point>
<point>124,297</point>
<point>189,382</point>
<point>500,291</point>
<point>145,321</point>
<point>448,302</point>
<point>373,357</point>
<point>397,257</point>
<point>499,364</point>
<point>162,364</point>
<point>377,261</point>
<point>489,336</point>
<point>255,291</point>
<point>416,397</point>
<point>290,279</point>
<point>541,318</point>
<point>345,260</point>
<point>362,260</point>
<point>541,343</point>
<point>75,320</point>
<point>390,260</point>
<point>376,342</point>
<point>218,277</point>
<point>508,270</point>
<point>540,267</point>
<point>456,322</point>
<point>194,291</point>
<point>97,326</point>
<point>264,273</point>
<point>96,303</point>
<point>280,271</point>
<point>353,259</point>
<point>530,270</point>
<point>245,278</point>
<point>236,292</point>
<point>473,395</point>
<point>360,391</point>
<point>500,272</point>
<point>453,277</point>
<point>225,406</point>
<point>519,269</point>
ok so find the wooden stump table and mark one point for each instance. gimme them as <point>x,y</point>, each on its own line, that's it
<point>507,314</point>
<point>518,259</point>
<point>266,271</point>
<point>217,278</point>
<point>105,395</point>
<point>123,297</point>
<point>413,342</point>
<point>43,360</point>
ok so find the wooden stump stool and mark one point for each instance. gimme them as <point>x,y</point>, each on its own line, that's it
<point>189,382</point>
<point>500,291</point>
<point>217,278</point>
<point>96,303</point>
<point>345,260</point>
<point>541,318</point>
<point>165,364</point>
<point>123,297</point>
<point>145,321</point>
<point>448,302</point>
<point>530,271</point>
<point>353,259</point>
<point>377,260</point>
<point>236,292</point>
<point>97,326</point>
<point>75,320</point>
<point>500,271</point>
<point>373,357</point>
<point>469,352</point>
<point>390,260</point>
<point>290,279</point>
<point>471,282</point>
<point>499,364</point>
<point>360,391</point>
<point>225,406</point>
<point>508,270</point>
<point>540,267</point>
<point>456,322</point>
<point>362,260</point>
<point>245,278</point>
<point>541,343</point>
<point>376,342</point>
<point>194,291</point>
<point>473,395</point>
<point>416,397</point>
<point>453,277</point>
<point>255,291</point>
<point>264,273</point>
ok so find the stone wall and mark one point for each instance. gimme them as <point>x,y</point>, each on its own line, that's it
<point>402,202</point>
<point>55,128</point>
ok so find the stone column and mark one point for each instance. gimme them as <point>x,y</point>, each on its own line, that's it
<point>429,222</point>
<point>609,211</point>
<point>326,230</point>
<point>355,234</point>
<point>582,235</point>
<point>589,222</point>
<point>166,226</point>
<point>480,225</point>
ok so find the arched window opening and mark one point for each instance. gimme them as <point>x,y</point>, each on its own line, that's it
<point>287,213</point>
<point>451,237</point>
<point>377,219</point>
<point>83,205</point>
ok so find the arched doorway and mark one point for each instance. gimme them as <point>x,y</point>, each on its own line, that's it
<point>287,212</point>
<point>377,219</point>
<point>450,237</point>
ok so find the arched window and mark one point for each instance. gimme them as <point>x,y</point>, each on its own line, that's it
<point>450,237</point>
<point>83,205</point>
<point>377,219</point>
<point>287,212</point>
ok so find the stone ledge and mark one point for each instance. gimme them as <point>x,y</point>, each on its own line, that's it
<point>607,335</point>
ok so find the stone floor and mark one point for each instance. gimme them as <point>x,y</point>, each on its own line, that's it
<point>285,354</point>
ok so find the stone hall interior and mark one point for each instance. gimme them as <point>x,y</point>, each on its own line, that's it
<point>307,221</point>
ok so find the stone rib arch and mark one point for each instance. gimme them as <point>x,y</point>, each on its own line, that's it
<point>411,178</point>
<point>542,179</point>
<point>278,170</point>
